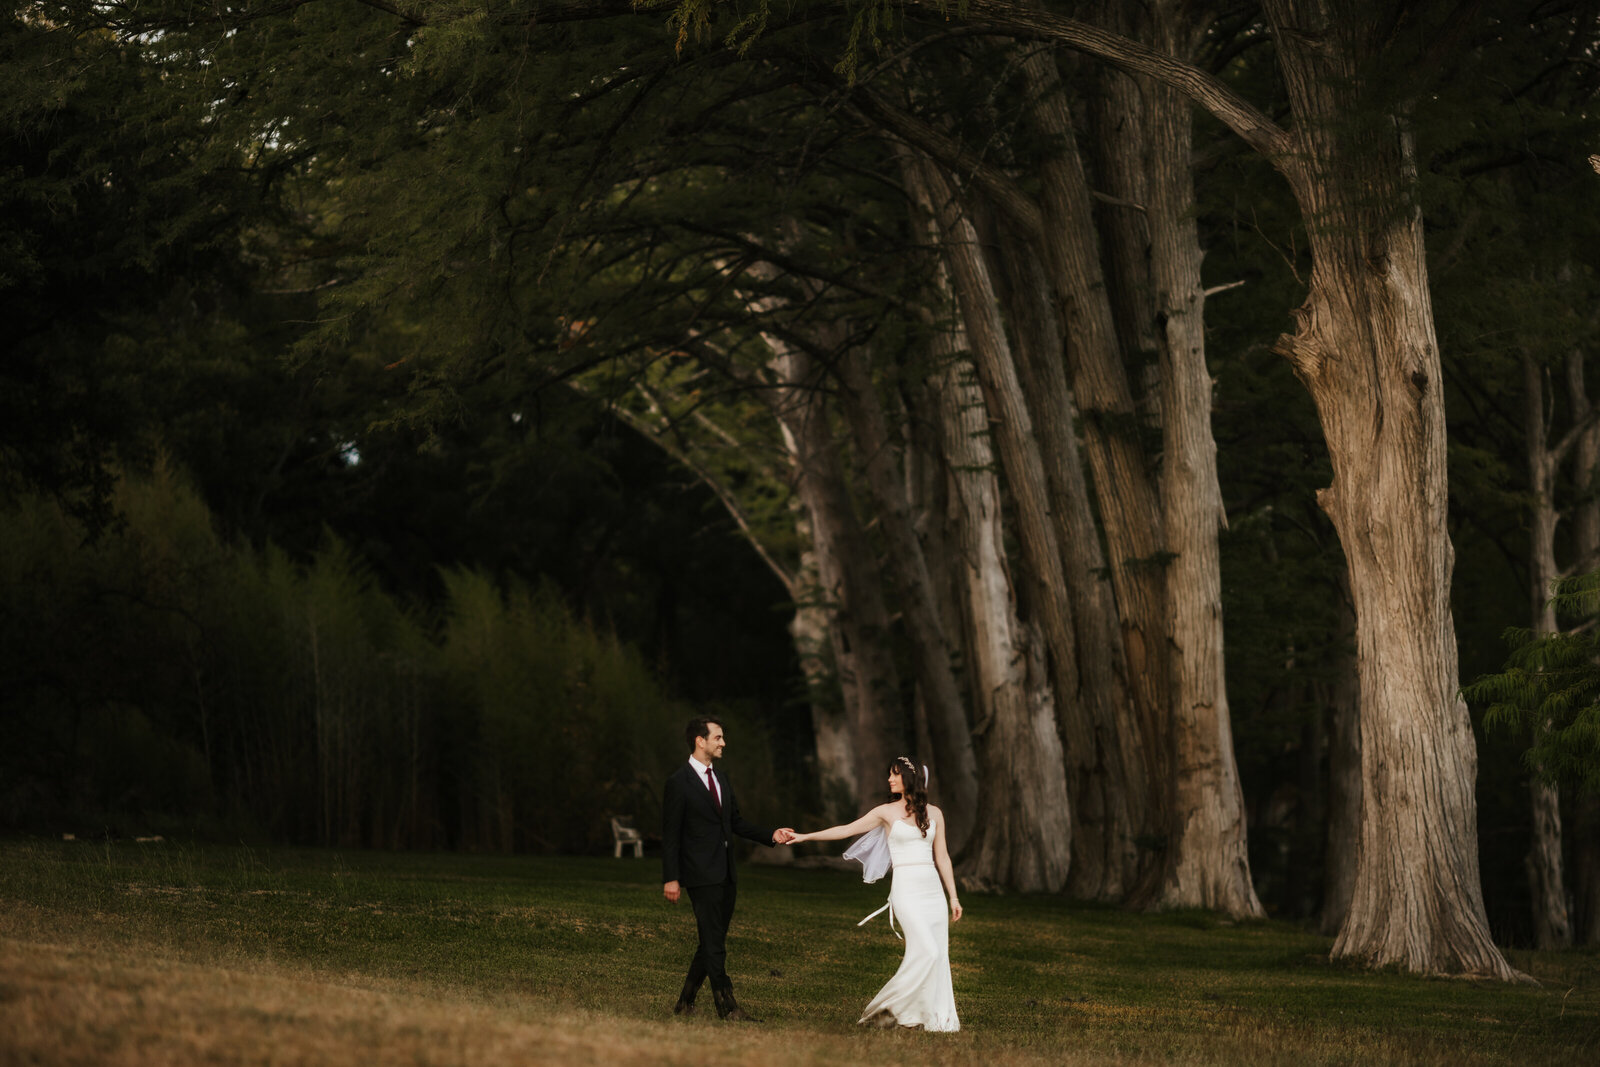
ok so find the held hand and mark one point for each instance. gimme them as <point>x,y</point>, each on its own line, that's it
<point>784,836</point>
<point>795,839</point>
<point>955,910</point>
<point>671,891</point>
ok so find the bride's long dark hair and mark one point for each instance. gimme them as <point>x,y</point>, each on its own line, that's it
<point>916,790</point>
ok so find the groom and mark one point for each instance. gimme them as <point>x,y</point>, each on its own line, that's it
<point>699,816</point>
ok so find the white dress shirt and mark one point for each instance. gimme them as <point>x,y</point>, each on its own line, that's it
<point>702,770</point>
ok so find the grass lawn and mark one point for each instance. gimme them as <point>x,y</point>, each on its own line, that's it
<point>164,953</point>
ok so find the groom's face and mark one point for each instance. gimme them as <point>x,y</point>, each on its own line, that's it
<point>713,741</point>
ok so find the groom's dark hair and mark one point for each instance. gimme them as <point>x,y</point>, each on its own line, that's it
<point>699,726</point>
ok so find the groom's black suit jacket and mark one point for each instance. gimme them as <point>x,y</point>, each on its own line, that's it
<point>696,838</point>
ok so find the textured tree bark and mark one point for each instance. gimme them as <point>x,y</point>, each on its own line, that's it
<point>1127,498</point>
<point>1106,752</point>
<point>1344,776</point>
<point>1023,835</point>
<point>1153,254</point>
<point>1129,506</point>
<point>854,748</point>
<point>1546,882</point>
<point>930,650</point>
<point>1207,863</point>
<point>933,513</point>
<point>1365,348</point>
<point>1119,147</point>
<point>934,517</point>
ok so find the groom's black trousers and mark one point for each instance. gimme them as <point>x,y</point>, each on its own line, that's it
<point>713,911</point>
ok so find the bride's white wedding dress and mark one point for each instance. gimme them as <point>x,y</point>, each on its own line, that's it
<point>920,993</point>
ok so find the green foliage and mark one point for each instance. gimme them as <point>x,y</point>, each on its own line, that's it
<point>120,219</point>
<point>159,672</point>
<point>569,719</point>
<point>1549,690</point>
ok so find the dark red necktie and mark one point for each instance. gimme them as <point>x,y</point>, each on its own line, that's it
<point>711,783</point>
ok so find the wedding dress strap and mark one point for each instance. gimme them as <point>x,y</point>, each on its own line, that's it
<point>889,907</point>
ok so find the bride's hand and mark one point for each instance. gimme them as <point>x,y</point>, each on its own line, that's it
<point>955,911</point>
<point>798,838</point>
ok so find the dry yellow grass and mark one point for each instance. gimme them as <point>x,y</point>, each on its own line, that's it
<point>118,1007</point>
<point>62,1004</point>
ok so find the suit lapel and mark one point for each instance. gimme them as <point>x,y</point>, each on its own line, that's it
<point>697,785</point>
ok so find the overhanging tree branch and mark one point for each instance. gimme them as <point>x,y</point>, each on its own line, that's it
<point>680,451</point>
<point>1027,23</point>
<point>1006,194</point>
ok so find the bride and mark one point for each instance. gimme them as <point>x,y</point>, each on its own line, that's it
<point>908,834</point>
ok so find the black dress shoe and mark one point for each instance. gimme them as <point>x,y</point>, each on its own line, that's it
<point>728,1008</point>
<point>683,1007</point>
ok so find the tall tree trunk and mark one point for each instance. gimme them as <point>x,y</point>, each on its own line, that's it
<point>1023,837</point>
<point>930,650</point>
<point>1365,349</point>
<point>1207,861</point>
<point>1108,771</point>
<point>1586,552</point>
<point>1023,833</point>
<point>1546,883</point>
<point>935,517</point>
<point>1119,149</point>
<point>1062,231</point>
<point>849,594</point>
<point>1129,506</point>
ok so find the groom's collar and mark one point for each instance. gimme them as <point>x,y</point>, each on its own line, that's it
<point>699,768</point>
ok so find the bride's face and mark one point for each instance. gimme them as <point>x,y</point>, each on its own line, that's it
<point>896,785</point>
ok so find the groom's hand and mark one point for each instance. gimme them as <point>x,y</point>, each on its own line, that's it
<point>783,836</point>
<point>671,891</point>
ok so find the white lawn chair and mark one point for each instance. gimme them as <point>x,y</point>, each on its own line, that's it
<point>624,834</point>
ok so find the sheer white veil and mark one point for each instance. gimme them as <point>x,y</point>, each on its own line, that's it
<point>871,850</point>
